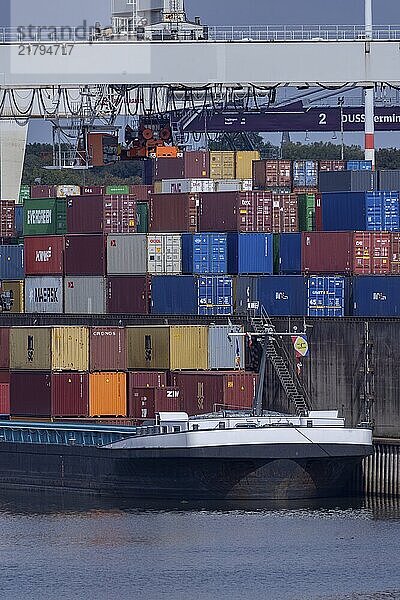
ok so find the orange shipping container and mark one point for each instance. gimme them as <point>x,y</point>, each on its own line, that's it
<point>107,395</point>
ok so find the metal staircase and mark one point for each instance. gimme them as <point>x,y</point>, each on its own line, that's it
<point>275,351</point>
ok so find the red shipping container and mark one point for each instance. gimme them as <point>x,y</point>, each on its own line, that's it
<point>271,174</point>
<point>30,394</point>
<point>144,379</point>
<point>169,168</point>
<point>4,399</point>
<point>144,403</point>
<point>173,213</point>
<point>332,165</point>
<point>93,190</point>
<point>4,349</point>
<point>284,213</point>
<point>119,214</point>
<point>197,165</point>
<point>7,219</point>
<point>85,214</point>
<point>43,191</point>
<point>107,349</point>
<point>141,193</point>
<point>318,212</point>
<point>69,395</point>
<point>129,295</point>
<point>44,255</point>
<point>372,253</point>
<point>327,252</point>
<point>395,254</point>
<point>236,211</point>
<point>85,255</point>
<point>4,376</point>
<point>207,391</point>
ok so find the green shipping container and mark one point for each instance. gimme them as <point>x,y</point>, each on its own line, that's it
<point>45,216</point>
<point>142,209</point>
<point>117,190</point>
<point>24,193</point>
<point>306,208</point>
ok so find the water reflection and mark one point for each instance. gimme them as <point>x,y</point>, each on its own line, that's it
<point>25,503</point>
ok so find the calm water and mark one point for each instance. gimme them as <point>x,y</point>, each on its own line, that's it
<point>62,548</point>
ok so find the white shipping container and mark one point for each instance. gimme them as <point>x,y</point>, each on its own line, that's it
<point>164,254</point>
<point>187,186</point>
<point>62,191</point>
<point>85,295</point>
<point>44,295</point>
<point>246,185</point>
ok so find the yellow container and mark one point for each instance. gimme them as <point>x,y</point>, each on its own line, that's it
<point>17,288</point>
<point>107,395</point>
<point>30,349</point>
<point>222,165</point>
<point>158,187</point>
<point>174,347</point>
<point>244,163</point>
<point>70,349</point>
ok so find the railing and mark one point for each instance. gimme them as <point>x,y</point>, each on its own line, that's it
<point>235,33</point>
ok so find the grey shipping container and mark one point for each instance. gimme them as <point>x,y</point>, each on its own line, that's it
<point>85,295</point>
<point>225,351</point>
<point>389,180</point>
<point>44,295</point>
<point>127,254</point>
<point>164,254</point>
<point>348,181</point>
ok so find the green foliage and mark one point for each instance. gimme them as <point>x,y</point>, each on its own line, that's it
<point>39,156</point>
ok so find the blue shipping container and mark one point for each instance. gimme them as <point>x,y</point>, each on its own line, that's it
<point>360,211</point>
<point>204,253</point>
<point>359,165</point>
<point>289,254</point>
<point>280,295</point>
<point>190,295</point>
<point>12,262</point>
<point>305,173</point>
<point>327,296</point>
<point>376,296</point>
<point>19,219</point>
<point>250,253</point>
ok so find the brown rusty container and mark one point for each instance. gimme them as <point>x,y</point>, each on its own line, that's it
<point>43,191</point>
<point>7,219</point>
<point>169,168</point>
<point>85,255</point>
<point>107,395</point>
<point>272,174</point>
<point>141,193</point>
<point>85,214</point>
<point>4,399</point>
<point>92,190</point>
<point>120,214</point>
<point>107,349</point>
<point>236,211</point>
<point>144,379</point>
<point>327,252</point>
<point>69,395</point>
<point>30,394</point>
<point>285,213</point>
<point>373,253</point>
<point>205,392</point>
<point>173,213</point>
<point>197,165</point>
<point>44,255</point>
<point>144,403</point>
<point>4,348</point>
<point>129,295</point>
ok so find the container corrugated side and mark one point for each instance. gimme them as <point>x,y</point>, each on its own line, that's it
<point>30,394</point>
<point>250,253</point>
<point>327,252</point>
<point>107,349</point>
<point>376,296</point>
<point>348,181</point>
<point>127,254</point>
<point>107,394</point>
<point>4,348</point>
<point>289,254</point>
<point>225,351</point>
<point>244,163</point>
<point>144,403</point>
<point>44,295</point>
<point>164,254</point>
<point>85,295</point>
<point>45,217</point>
<point>327,296</point>
<point>70,394</point>
<point>70,349</point>
<point>204,253</point>
<point>372,253</point>
<point>4,399</point>
<point>85,255</point>
<point>188,347</point>
<point>44,255</point>
<point>174,295</point>
<point>143,379</point>
<point>30,349</point>
<point>389,179</point>
<point>222,165</point>
<point>281,295</point>
<point>129,295</point>
<point>17,288</point>
<point>197,164</point>
<point>12,262</point>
